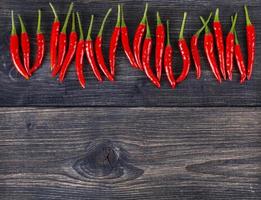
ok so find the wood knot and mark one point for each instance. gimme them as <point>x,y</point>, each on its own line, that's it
<point>106,161</point>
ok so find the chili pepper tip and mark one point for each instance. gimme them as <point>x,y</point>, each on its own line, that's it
<point>56,18</point>
<point>181,34</point>
<point>143,21</point>
<point>248,21</point>
<point>216,19</point>
<point>90,29</point>
<point>13,24</point>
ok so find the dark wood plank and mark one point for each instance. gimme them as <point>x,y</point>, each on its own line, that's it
<point>131,88</point>
<point>130,153</point>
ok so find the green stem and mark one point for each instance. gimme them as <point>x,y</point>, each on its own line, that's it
<point>118,24</point>
<point>39,22</point>
<point>80,26</point>
<point>90,29</point>
<point>148,34</point>
<point>235,32</point>
<point>22,24</point>
<point>143,21</point>
<point>233,24</point>
<point>56,18</point>
<point>158,19</point>
<point>168,34</point>
<point>181,34</point>
<point>216,19</point>
<point>248,22</point>
<point>123,24</point>
<point>73,22</point>
<point>13,24</point>
<point>204,26</point>
<point>103,22</point>
<point>67,18</point>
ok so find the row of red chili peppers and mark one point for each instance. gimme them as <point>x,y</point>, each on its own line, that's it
<point>139,56</point>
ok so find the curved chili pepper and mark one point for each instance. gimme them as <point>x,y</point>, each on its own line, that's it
<point>209,50</point>
<point>147,45</point>
<point>40,45</point>
<point>125,41</point>
<point>184,50</point>
<point>54,37</point>
<point>71,51</point>
<point>98,49</point>
<point>114,42</point>
<point>25,44</point>
<point>194,48</point>
<point>138,38</point>
<point>160,42</point>
<point>218,32</point>
<point>90,52</point>
<point>62,43</point>
<point>14,51</point>
<point>80,54</point>
<point>168,60</point>
<point>230,48</point>
<point>251,44</point>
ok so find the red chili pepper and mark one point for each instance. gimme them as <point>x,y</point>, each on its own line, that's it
<point>218,32</point>
<point>184,50</point>
<point>40,45</point>
<point>209,50</point>
<point>230,48</point>
<point>14,51</point>
<point>25,44</point>
<point>168,60</point>
<point>62,43</point>
<point>194,48</point>
<point>125,42</point>
<point>98,49</point>
<point>147,45</point>
<point>114,42</point>
<point>90,52</point>
<point>138,38</point>
<point>80,54</point>
<point>160,42</point>
<point>54,37</point>
<point>251,44</point>
<point>71,51</point>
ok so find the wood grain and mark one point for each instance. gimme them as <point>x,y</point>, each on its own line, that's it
<point>132,88</point>
<point>130,153</point>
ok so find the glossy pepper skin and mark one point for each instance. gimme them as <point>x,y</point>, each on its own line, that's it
<point>230,48</point>
<point>159,50</point>
<point>184,50</point>
<point>146,54</point>
<point>114,42</point>
<point>40,46</point>
<point>89,50</point>
<point>218,32</point>
<point>251,44</point>
<point>209,50</point>
<point>195,50</point>
<point>54,37</point>
<point>168,60</point>
<point>25,44</point>
<point>62,43</point>
<point>14,51</point>
<point>98,50</point>
<point>140,31</point>
<point>79,55</point>
<point>125,41</point>
<point>71,51</point>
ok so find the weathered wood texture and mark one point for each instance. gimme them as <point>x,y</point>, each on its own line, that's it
<point>132,88</point>
<point>130,153</point>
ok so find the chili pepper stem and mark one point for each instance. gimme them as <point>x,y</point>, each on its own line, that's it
<point>204,26</point>
<point>39,22</point>
<point>148,34</point>
<point>67,18</point>
<point>118,24</point>
<point>158,19</point>
<point>248,21</point>
<point>56,18</point>
<point>123,24</point>
<point>22,24</point>
<point>80,26</point>
<point>216,19</point>
<point>90,29</point>
<point>168,34</point>
<point>13,24</point>
<point>143,21</point>
<point>103,22</point>
<point>235,32</point>
<point>233,24</point>
<point>181,34</point>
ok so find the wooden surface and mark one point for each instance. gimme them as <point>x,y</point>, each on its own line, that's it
<point>128,140</point>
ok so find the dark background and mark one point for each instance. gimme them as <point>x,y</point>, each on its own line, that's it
<point>129,140</point>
